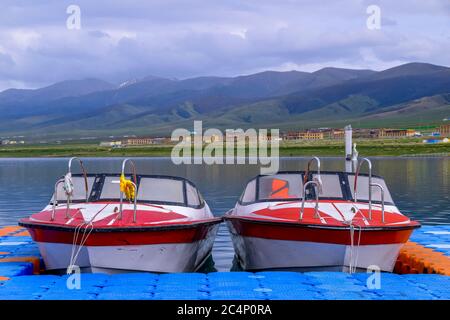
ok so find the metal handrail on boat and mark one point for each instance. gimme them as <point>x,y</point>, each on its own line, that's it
<point>133,167</point>
<point>55,200</point>
<point>63,180</point>
<point>382,198</point>
<point>317,182</point>
<point>83,170</point>
<point>316,213</point>
<point>305,179</point>
<point>369,163</point>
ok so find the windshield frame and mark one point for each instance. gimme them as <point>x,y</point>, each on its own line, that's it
<point>344,183</point>
<point>99,180</point>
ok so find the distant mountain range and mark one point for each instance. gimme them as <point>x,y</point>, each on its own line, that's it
<point>407,95</point>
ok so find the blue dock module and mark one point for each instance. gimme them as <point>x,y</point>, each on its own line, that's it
<point>434,237</point>
<point>17,265</point>
<point>229,285</point>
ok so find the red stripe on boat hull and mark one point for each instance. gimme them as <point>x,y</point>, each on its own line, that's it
<point>111,237</point>
<point>316,233</point>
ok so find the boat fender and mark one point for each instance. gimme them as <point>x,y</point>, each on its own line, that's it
<point>127,187</point>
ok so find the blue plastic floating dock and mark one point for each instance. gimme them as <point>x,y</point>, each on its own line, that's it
<point>18,282</point>
<point>228,285</point>
<point>434,237</point>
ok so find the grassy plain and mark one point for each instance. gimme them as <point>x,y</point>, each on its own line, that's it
<point>372,147</point>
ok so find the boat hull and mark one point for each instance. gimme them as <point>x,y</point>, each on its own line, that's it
<point>180,257</point>
<point>271,245</point>
<point>57,256</point>
<point>174,248</point>
<point>262,254</point>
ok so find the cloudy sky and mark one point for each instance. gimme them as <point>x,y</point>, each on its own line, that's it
<point>187,38</point>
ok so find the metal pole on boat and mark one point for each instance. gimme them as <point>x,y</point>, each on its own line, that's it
<point>354,157</point>
<point>317,181</point>
<point>55,199</point>
<point>348,148</point>
<point>370,184</point>
<point>68,183</point>
<point>133,167</point>
<point>382,198</point>
<point>83,171</point>
<point>316,208</point>
<point>135,203</point>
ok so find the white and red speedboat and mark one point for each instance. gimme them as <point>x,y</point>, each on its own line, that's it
<point>107,223</point>
<point>318,221</point>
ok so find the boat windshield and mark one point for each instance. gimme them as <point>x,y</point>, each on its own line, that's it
<point>151,189</point>
<point>280,186</point>
<point>362,188</point>
<point>79,189</point>
<point>161,190</point>
<point>289,186</point>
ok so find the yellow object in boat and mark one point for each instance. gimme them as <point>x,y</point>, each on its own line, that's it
<point>127,187</point>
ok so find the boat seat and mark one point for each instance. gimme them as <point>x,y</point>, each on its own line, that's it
<point>280,189</point>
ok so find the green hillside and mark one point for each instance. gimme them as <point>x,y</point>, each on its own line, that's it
<point>410,95</point>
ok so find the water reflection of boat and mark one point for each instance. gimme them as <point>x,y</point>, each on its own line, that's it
<point>162,225</point>
<point>318,220</point>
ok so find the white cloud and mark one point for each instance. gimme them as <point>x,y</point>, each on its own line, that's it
<point>194,37</point>
<point>242,33</point>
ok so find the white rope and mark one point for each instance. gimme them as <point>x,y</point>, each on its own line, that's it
<point>74,245</point>
<point>350,264</point>
<point>357,249</point>
<point>353,262</point>
<point>68,189</point>
<point>68,184</point>
<point>77,248</point>
<point>83,240</point>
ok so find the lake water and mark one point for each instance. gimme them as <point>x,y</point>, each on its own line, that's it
<point>420,186</point>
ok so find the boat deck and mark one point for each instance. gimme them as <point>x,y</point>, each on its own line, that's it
<point>428,251</point>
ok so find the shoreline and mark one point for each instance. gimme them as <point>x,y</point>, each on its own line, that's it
<point>319,148</point>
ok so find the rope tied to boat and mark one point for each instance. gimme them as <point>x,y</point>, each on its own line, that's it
<point>127,187</point>
<point>68,184</point>
<point>353,261</point>
<point>68,189</point>
<point>76,249</point>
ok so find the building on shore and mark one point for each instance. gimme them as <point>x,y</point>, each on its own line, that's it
<point>162,140</point>
<point>358,133</point>
<point>337,134</point>
<point>366,133</point>
<point>9,142</point>
<point>396,133</point>
<point>304,135</point>
<point>444,130</point>
<point>143,141</point>
<point>137,141</point>
<point>112,144</point>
